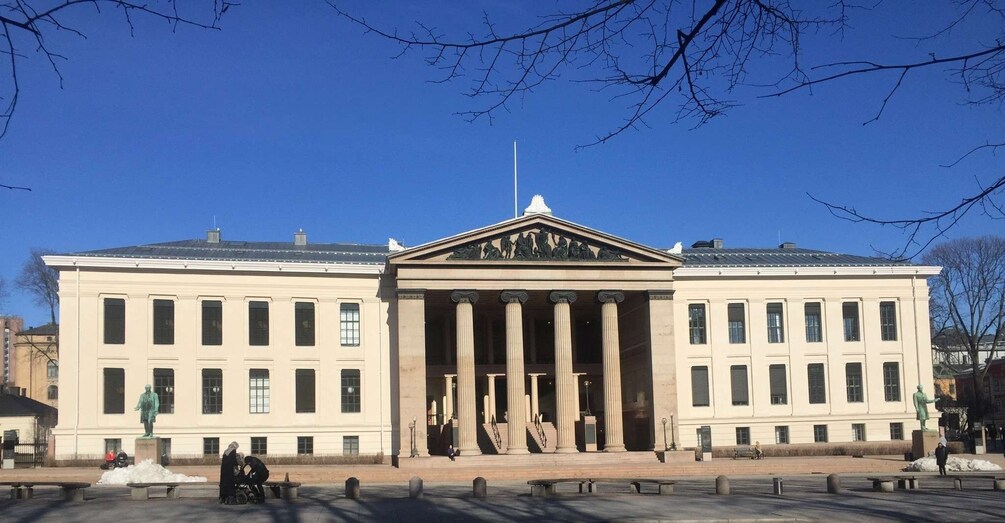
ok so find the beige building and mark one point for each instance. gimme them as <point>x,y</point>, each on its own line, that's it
<point>502,340</point>
<point>36,369</point>
<point>9,327</point>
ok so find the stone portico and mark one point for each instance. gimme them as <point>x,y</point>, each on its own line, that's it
<point>533,321</point>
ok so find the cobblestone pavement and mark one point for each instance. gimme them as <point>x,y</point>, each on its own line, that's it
<point>804,498</point>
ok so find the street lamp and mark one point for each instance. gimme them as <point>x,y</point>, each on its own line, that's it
<point>673,437</point>
<point>587,384</point>
<point>415,451</point>
<point>665,447</point>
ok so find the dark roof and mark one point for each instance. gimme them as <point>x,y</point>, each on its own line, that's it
<point>49,329</point>
<point>14,406</point>
<point>778,257</point>
<point>250,251</point>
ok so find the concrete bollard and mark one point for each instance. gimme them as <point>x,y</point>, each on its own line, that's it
<point>415,487</point>
<point>777,486</point>
<point>722,485</point>
<point>479,487</point>
<point>352,488</point>
<point>833,484</point>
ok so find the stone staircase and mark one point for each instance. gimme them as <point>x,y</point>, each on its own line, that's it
<point>493,440</point>
<point>540,445</point>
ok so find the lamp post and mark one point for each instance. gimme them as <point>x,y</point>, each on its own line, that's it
<point>665,446</point>
<point>673,438</point>
<point>586,383</point>
<point>415,451</point>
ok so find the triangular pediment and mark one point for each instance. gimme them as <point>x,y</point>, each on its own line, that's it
<point>534,239</point>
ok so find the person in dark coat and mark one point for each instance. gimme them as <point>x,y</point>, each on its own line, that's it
<point>941,455</point>
<point>257,477</point>
<point>228,468</point>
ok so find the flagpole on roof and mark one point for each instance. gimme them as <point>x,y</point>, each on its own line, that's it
<point>515,215</point>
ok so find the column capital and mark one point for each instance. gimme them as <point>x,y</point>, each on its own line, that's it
<point>610,296</point>
<point>562,296</point>
<point>662,294</point>
<point>513,297</point>
<point>411,294</point>
<point>464,295</point>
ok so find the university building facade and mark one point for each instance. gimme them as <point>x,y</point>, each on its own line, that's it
<point>509,339</point>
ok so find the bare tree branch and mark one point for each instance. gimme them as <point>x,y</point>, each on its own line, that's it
<point>40,281</point>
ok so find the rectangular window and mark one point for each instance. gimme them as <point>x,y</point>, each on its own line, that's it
<point>738,383</point>
<point>820,433</point>
<point>814,325</point>
<point>778,385</point>
<point>896,431</point>
<point>210,446</point>
<point>696,323</point>
<point>817,383</point>
<point>212,391</point>
<point>781,434</point>
<point>776,326</point>
<point>115,391</point>
<point>304,312</point>
<point>258,391</point>
<point>888,320</point>
<point>305,390</point>
<point>260,445</point>
<point>212,322</point>
<point>699,386</point>
<point>52,370</point>
<point>737,323</point>
<point>858,431</point>
<point>743,435</point>
<point>305,445</point>
<point>258,323</point>
<point>350,390</point>
<point>164,388</point>
<point>350,445</point>
<point>849,312</point>
<point>114,445</point>
<point>115,321</point>
<point>163,322</point>
<point>349,324</point>
<point>891,381</point>
<point>853,380</point>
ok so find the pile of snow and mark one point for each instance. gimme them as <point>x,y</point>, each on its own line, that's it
<point>146,472</point>
<point>953,464</point>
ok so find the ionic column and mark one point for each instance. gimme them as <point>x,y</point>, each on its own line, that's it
<point>517,424</point>
<point>565,392</point>
<point>466,409</point>
<point>493,405</point>
<point>535,397</point>
<point>448,401</point>
<point>612,370</point>
<point>578,404</point>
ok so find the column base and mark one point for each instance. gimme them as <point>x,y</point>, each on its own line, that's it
<point>469,452</point>
<point>514,451</point>
<point>614,448</point>
<point>567,450</point>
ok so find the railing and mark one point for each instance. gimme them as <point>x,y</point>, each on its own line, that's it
<point>495,433</point>
<point>540,431</point>
<point>29,454</point>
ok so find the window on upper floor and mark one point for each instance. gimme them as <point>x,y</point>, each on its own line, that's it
<point>212,391</point>
<point>817,383</point>
<point>164,388</point>
<point>853,381</point>
<point>814,325</point>
<point>776,325</point>
<point>52,392</point>
<point>258,391</point>
<point>699,386</point>
<point>696,323</point>
<point>737,323</point>
<point>114,391</point>
<point>304,317</point>
<point>778,385</point>
<point>349,324</point>
<point>163,322</point>
<point>258,323</point>
<point>849,313</point>
<point>52,370</point>
<point>305,389</point>
<point>350,390</point>
<point>888,320</point>
<point>738,384</point>
<point>115,321</point>
<point>212,322</point>
<point>891,381</point>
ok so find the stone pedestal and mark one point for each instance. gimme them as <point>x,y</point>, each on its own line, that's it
<point>924,442</point>
<point>148,448</point>
<point>586,434</point>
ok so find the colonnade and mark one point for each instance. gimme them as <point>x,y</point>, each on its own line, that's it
<point>566,392</point>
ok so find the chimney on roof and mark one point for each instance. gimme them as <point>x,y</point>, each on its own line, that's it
<point>787,245</point>
<point>213,236</point>
<point>716,243</point>
<point>300,238</point>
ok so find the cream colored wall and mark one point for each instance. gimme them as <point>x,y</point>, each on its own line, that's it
<point>911,351</point>
<point>83,426</point>
<point>24,425</point>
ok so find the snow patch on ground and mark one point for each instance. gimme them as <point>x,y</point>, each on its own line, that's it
<point>953,464</point>
<point>145,472</point>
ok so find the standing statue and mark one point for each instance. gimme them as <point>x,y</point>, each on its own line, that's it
<point>148,406</point>
<point>921,401</point>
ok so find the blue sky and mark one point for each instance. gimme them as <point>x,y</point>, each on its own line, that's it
<point>291,118</point>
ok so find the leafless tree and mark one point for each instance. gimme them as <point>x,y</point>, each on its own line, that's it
<point>27,28</point>
<point>40,281</point>
<point>4,292</point>
<point>968,312</point>
<point>695,54</point>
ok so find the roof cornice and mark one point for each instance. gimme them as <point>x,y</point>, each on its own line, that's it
<point>101,262</point>
<point>767,272</point>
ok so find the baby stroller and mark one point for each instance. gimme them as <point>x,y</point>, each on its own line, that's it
<point>244,494</point>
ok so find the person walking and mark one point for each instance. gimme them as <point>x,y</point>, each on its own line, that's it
<point>941,455</point>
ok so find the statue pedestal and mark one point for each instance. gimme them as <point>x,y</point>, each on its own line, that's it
<point>148,448</point>
<point>924,442</point>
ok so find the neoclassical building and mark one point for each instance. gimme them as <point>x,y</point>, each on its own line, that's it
<point>530,335</point>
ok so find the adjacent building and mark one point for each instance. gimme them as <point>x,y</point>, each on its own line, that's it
<point>36,369</point>
<point>10,325</point>
<point>500,340</point>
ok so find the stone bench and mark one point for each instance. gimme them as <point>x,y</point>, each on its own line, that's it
<point>282,489</point>
<point>141,491</point>
<point>885,483</point>
<point>72,491</point>
<point>665,486</point>
<point>746,451</point>
<point>998,480</point>
<point>547,487</point>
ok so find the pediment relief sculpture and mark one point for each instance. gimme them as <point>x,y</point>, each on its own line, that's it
<point>540,245</point>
